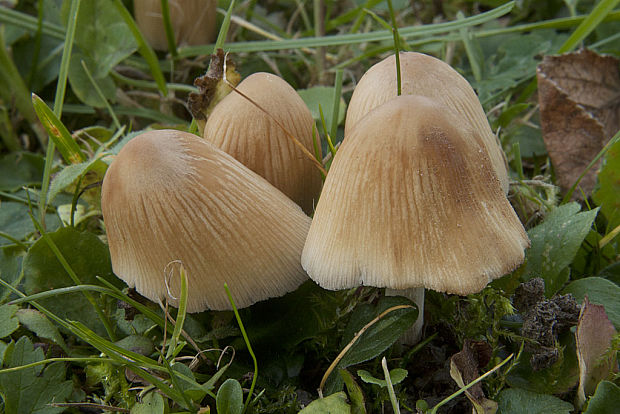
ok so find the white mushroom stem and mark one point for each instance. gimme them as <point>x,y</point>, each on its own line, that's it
<point>413,335</point>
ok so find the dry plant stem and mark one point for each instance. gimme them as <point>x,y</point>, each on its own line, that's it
<point>185,334</point>
<point>286,131</point>
<point>90,406</point>
<point>353,341</point>
<point>412,335</point>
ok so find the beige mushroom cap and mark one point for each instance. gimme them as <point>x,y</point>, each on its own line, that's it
<point>192,21</point>
<point>171,196</point>
<point>244,131</point>
<point>411,200</point>
<point>427,76</point>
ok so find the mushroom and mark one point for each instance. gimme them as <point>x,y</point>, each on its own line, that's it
<point>171,196</point>
<point>427,76</point>
<point>411,201</point>
<point>193,21</point>
<point>258,140</point>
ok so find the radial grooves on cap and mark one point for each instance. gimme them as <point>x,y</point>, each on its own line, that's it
<point>176,197</point>
<point>251,136</point>
<point>426,76</point>
<point>411,200</point>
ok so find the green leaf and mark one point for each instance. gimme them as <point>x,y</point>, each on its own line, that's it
<point>229,398</point>
<point>86,254</point>
<point>102,41</point>
<point>355,392</point>
<point>8,322</point>
<point>30,390</point>
<point>145,50</point>
<point>605,400</point>
<point>517,401</point>
<point>282,323</point>
<point>67,176</point>
<point>377,338</point>
<point>10,267</point>
<point>187,383</point>
<point>82,85</point>
<point>382,334</point>
<point>397,375</point>
<point>15,221</point>
<point>555,243</point>
<point>324,96</point>
<point>601,292</point>
<point>38,323</point>
<point>20,169</point>
<point>607,193</point>
<point>333,404</point>
<point>137,343</point>
<point>58,132</point>
<point>151,403</point>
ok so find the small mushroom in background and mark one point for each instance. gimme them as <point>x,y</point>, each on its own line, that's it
<point>193,21</point>
<point>253,137</point>
<point>171,196</point>
<point>412,201</point>
<point>426,76</point>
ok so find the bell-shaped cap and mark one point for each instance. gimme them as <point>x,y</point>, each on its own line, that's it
<point>254,138</point>
<point>427,76</point>
<point>411,200</point>
<point>171,196</point>
<point>192,21</point>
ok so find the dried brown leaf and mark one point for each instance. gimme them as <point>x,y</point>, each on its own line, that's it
<point>211,87</point>
<point>593,336</point>
<point>579,96</point>
<point>464,368</point>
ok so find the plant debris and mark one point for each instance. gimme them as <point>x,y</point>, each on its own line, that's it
<point>593,336</point>
<point>544,320</point>
<point>465,367</point>
<point>212,87</point>
<point>579,96</point>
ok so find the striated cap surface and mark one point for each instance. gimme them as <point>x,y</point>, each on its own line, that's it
<point>411,200</point>
<point>170,196</point>
<point>431,77</point>
<point>241,129</point>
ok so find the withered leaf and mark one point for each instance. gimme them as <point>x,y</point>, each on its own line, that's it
<point>464,368</point>
<point>211,87</point>
<point>579,96</point>
<point>593,336</point>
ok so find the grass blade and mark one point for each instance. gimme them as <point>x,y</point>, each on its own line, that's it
<point>221,36</point>
<point>172,44</point>
<point>346,39</point>
<point>390,387</point>
<point>596,16</point>
<point>101,96</point>
<point>247,343</point>
<point>61,87</point>
<point>102,316</point>
<point>59,134</point>
<point>144,48</point>
<point>336,107</point>
<point>178,325</point>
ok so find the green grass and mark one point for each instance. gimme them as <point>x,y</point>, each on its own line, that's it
<point>119,347</point>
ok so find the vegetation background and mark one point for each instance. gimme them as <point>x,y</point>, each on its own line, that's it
<point>77,81</point>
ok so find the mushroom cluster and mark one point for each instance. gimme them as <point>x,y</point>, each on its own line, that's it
<point>224,206</point>
<point>415,196</point>
<point>172,196</point>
